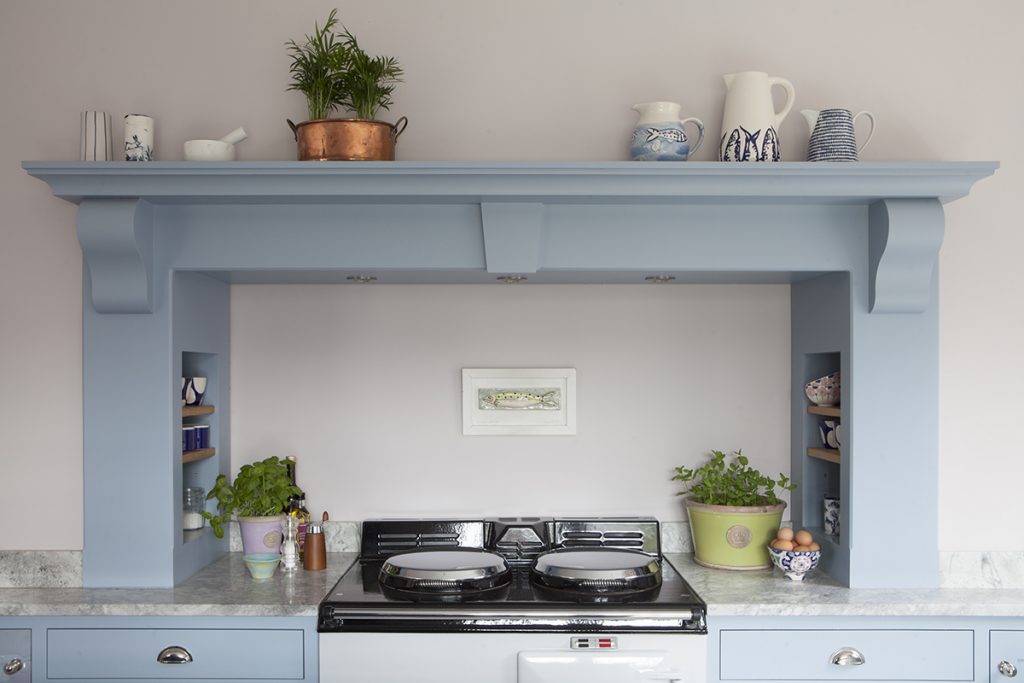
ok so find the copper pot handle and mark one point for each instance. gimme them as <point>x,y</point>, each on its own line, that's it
<point>295,129</point>
<point>400,125</point>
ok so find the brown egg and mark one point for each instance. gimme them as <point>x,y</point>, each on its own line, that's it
<point>782,544</point>
<point>803,537</point>
<point>814,546</point>
<point>802,548</point>
<point>785,534</point>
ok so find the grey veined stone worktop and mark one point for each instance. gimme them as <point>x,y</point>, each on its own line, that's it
<point>768,593</point>
<point>222,589</point>
<point>225,589</point>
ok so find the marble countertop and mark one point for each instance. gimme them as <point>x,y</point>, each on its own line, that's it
<point>225,589</point>
<point>222,589</point>
<point>768,593</point>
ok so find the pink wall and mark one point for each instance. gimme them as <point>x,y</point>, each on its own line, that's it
<point>528,80</point>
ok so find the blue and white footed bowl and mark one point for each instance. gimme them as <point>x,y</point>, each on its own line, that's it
<point>795,563</point>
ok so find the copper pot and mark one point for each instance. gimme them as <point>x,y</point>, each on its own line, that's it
<point>347,139</point>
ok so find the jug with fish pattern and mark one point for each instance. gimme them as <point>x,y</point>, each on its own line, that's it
<point>659,134</point>
<point>750,123</point>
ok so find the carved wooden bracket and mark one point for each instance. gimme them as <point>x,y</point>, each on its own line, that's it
<point>512,236</point>
<point>117,239</point>
<point>904,237</point>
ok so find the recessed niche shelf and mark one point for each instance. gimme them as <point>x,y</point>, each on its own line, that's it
<point>196,411</point>
<point>197,455</point>
<point>826,454</point>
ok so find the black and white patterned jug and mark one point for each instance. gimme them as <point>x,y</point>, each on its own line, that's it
<point>833,137</point>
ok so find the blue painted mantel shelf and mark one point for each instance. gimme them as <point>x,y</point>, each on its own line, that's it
<point>521,219</point>
<point>856,242</point>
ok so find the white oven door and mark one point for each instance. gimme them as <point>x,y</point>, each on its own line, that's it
<point>509,658</point>
<point>628,666</point>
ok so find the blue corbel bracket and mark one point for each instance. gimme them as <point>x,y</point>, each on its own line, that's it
<point>117,240</point>
<point>904,237</point>
<point>512,234</point>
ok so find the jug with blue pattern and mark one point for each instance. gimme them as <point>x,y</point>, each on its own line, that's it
<point>659,134</point>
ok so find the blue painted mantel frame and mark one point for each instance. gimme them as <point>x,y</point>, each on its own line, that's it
<point>858,243</point>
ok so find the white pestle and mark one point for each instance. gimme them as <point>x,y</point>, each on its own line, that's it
<point>235,136</point>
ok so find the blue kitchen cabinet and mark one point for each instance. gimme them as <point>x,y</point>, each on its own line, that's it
<point>137,649</point>
<point>848,648</point>
<point>15,655</point>
<point>1006,656</point>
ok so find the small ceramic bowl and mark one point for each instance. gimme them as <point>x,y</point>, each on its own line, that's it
<point>209,150</point>
<point>263,565</point>
<point>823,391</point>
<point>795,563</point>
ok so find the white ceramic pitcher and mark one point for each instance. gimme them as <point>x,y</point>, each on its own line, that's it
<point>750,123</point>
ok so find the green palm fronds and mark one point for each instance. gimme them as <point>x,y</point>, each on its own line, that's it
<point>332,71</point>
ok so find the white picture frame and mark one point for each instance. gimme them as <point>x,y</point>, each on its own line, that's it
<point>519,401</point>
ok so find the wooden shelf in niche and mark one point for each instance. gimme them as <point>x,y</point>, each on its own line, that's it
<point>196,411</point>
<point>827,454</point>
<point>200,454</point>
<point>827,411</point>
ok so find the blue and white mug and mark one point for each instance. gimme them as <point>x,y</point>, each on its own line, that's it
<point>138,138</point>
<point>831,520</point>
<point>829,432</point>
<point>193,390</point>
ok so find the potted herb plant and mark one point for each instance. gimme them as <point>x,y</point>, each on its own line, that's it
<point>257,497</point>
<point>734,511</point>
<point>333,71</point>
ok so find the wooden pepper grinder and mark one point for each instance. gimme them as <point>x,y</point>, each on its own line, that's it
<point>315,558</point>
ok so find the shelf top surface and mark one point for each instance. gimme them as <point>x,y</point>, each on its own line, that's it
<point>181,182</point>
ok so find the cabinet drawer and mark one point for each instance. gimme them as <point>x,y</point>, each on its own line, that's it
<point>1005,646</point>
<point>799,655</point>
<point>111,653</point>
<point>15,647</point>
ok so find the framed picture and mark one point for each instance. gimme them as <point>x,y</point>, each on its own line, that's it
<point>533,401</point>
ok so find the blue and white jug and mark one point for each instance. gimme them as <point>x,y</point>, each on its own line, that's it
<point>750,123</point>
<point>833,137</point>
<point>659,134</point>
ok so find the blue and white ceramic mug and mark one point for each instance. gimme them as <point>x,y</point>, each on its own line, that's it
<point>194,390</point>
<point>831,520</point>
<point>138,138</point>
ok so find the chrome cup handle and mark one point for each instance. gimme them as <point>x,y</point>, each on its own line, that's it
<point>175,654</point>
<point>847,656</point>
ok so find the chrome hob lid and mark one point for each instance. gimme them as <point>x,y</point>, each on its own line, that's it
<point>445,571</point>
<point>597,570</point>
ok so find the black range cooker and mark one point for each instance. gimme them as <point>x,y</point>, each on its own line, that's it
<point>527,574</point>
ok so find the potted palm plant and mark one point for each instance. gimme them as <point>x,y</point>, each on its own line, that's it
<point>333,71</point>
<point>734,511</point>
<point>258,497</point>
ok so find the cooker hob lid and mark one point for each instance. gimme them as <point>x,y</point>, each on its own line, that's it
<point>597,570</point>
<point>445,571</point>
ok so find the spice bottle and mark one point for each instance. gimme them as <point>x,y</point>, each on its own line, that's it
<point>290,548</point>
<point>192,508</point>
<point>315,557</point>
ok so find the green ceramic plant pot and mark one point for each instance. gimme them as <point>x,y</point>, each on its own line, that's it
<point>727,537</point>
